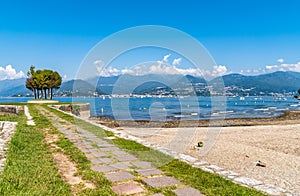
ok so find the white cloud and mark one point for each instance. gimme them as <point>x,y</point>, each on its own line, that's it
<point>10,73</point>
<point>281,60</point>
<point>98,62</point>
<point>111,71</point>
<point>99,65</point>
<point>166,58</point>
<point>219,70</point>
<point>284,67</point>
<point>273,68</point>
<point>159,68</point>
<point>177,61</point>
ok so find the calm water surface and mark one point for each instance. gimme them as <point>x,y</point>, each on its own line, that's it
<point>191,108</point>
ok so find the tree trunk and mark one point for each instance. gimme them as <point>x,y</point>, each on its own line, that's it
<point>45,90</point>
<point>49,96</point>
<point>34,92</point>
<point>38,93</point>
<point>51,93</point>
<point>42,93</point>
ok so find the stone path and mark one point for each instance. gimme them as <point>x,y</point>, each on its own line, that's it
<point>29,117</point>
<point>128,174</point>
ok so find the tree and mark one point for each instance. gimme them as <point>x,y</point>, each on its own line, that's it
<point>55,82</point>
<point>30,82</point>
<point>42,82</point>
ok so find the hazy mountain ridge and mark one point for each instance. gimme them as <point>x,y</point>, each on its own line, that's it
<point>13,87</point>
<point>235,84</point>
<point>277,82</point>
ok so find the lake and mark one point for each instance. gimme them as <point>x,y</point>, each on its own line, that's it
<point>189,108</point>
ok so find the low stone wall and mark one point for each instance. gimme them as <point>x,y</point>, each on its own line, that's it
<point>7,129</point>
<point>82,110</point>
<point>11,109</point>
<point>42,101</point>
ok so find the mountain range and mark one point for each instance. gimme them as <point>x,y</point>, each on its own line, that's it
<point>235,84</point>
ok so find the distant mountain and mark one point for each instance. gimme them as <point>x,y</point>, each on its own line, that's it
<point>13,87</point>
<point>76,85</point>
<point>77,88</point>
<point>126,84</point>
<point>72,87</point>
<point>195,80</point>
<point>153,84</point>
<point>104,84</point>
<point>143,84</point>
<point>277,82</point>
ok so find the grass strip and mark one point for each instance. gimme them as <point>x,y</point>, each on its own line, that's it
<point>207,183</point>
<point>103,186</point>
<point>29,168</point>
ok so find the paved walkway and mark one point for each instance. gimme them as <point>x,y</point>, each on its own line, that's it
<point>127,173</point>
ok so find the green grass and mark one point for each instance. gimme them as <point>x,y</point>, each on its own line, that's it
<point>103,186</point>
<point>207,183</point>
<point>12,103</point>
<point>29,167</point>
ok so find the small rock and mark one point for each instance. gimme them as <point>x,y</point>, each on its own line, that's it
<point>110,138</point>
<point>207,169</point>
<point>187,158</point>
<point>214,167</point>
<point>200,144</point>
<point>197,148</point>
<point>261,164</point>
<point>247,181</point>
<point>199,163</point>
<point>270,189</point>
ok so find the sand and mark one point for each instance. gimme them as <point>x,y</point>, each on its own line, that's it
<point>239,147</point>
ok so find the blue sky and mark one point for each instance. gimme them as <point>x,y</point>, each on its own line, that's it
<point>248,37</point>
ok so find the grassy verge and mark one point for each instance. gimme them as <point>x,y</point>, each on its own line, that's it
<point>103,186</point>
<point>207,183</point>
<point>29,167</point>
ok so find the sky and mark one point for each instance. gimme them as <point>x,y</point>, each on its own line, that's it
<point>248,37</point>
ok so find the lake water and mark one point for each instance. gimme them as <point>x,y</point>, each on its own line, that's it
<point>191,108</point>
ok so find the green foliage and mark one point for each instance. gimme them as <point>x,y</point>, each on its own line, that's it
<point>42,82</point>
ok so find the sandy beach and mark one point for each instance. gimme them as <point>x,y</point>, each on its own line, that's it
<point>237,146</point>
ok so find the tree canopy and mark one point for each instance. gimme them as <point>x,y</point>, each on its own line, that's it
<point>42,82</point>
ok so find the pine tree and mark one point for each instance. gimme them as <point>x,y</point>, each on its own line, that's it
<point>42,82</point>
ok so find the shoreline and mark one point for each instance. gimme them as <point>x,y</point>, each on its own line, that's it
<point>289,117</point>
<point>241,143</point>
